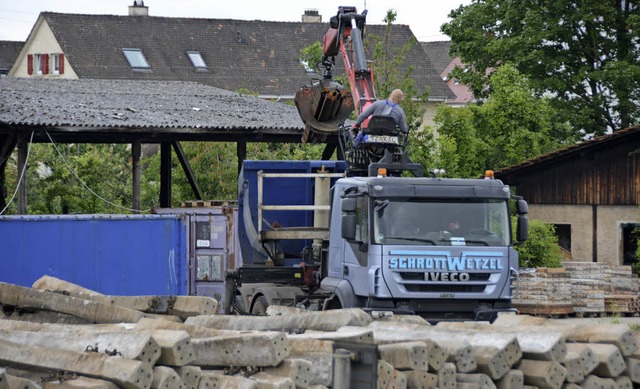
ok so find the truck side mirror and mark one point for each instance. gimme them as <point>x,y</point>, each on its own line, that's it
<point>348,230</point>
<point>522,207</point>
<point>349,205</point>
<point>522,229</point>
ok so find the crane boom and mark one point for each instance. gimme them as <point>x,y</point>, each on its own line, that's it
<point>325,104</point>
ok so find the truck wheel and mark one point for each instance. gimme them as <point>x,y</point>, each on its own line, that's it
<point>260,306</point>
<point>238,307</point>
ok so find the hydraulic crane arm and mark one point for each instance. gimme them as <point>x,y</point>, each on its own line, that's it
<point>345,35</point>
<point>325,104</point>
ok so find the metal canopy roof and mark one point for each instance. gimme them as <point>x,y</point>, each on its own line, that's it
<point>119,111</point>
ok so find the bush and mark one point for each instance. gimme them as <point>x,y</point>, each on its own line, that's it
<point>541,249</point>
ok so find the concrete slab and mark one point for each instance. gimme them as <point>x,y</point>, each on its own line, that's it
<point>447,376</point>
<point>543,374</point>
<point>320,354</point>
<point>588,360</point>
<point>190,375</point>
<point>319,321</point>
<point>299,370</point>
<point>29,298</point>
<point>80,383</point>
<point>406,355</point>
<point>124,372</point>
<point>421,379</point>
<point>514,379</point>
<point>166,378</point>
<point>136,346</point>
<point>390,378</point>
<point>176,348</point>
<point>251,349</point>
<point>481,380</point>
<point>268,381</point>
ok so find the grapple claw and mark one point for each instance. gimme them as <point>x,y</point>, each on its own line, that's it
<point>323,107</point>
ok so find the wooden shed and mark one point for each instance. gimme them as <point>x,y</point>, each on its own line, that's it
<point>590,192</point>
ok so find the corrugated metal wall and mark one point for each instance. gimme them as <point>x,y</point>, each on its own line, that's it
<point>111,254</point>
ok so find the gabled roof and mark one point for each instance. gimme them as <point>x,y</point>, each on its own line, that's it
<point>568,151</point>
<point>145,109</point>
<point>9,51</point>
<point>261,56</point>
<point>438,54</point>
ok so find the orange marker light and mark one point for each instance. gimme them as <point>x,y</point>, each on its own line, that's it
<point>382,172</point>
<point>488,174</point>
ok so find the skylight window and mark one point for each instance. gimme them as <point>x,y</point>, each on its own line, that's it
<point>136,58</point>
<point>197,60</point>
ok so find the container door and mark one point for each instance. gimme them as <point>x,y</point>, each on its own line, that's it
<point>210,254</point>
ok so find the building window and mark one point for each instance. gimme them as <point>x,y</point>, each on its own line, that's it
<point>196,60</point>
<point>57,64</point>
<point>136,58</point>
<point>563,232</point>
<point>43,64</point>
<point>630,236</point>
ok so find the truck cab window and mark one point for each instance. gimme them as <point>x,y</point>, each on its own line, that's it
<point>468,222</point>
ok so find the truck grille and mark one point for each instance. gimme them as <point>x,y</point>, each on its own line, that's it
<point>419,276</point>
<point>456,287</point>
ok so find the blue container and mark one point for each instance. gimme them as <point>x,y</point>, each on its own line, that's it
<point>110,254</point>
<point>276,191</point>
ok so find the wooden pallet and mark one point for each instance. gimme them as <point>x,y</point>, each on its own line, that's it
<point>545,309</point>
<point>207,203</point>
<point>621,304</point>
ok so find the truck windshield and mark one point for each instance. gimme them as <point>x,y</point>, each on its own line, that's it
<point>456,222</point>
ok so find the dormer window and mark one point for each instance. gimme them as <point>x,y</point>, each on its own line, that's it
<point>136,59</point>
<point>197,60</point>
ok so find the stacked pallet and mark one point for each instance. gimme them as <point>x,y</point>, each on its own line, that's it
<point>167,347</point>
<point>583,288</point>
<point>544,291</point>
<point>588,286</point>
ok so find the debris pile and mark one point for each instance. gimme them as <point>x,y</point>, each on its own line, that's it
<point>58,335</point>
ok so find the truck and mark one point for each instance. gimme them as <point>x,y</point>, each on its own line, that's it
<point>362,232</point>
<point>313,238</point>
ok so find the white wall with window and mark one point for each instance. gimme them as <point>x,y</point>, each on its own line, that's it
<point>42,56</point>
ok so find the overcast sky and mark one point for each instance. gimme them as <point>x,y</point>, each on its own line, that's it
<point>425,17</point>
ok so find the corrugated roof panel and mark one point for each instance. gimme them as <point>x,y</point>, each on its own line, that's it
<point>133,104</point>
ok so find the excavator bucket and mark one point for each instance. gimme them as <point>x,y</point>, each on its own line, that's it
<point>323,107</point>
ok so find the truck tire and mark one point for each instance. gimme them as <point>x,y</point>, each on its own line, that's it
<point>238,307</point>
<point>260,306</point>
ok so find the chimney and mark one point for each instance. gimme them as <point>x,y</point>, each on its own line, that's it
<point>138,8</point>
<point>311,16</point>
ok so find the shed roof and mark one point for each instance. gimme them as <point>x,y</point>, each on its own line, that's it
<point>566,152</point>
<point>438,54</point>
<point>147,110</point>
<point>9,51</point>
<point>261,56</point>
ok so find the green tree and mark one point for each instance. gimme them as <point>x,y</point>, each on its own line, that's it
<point>75,178</point>
<point>311,56</point>
<point>512,125</point>
<point>542,248</point>
<point>583,54</point>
